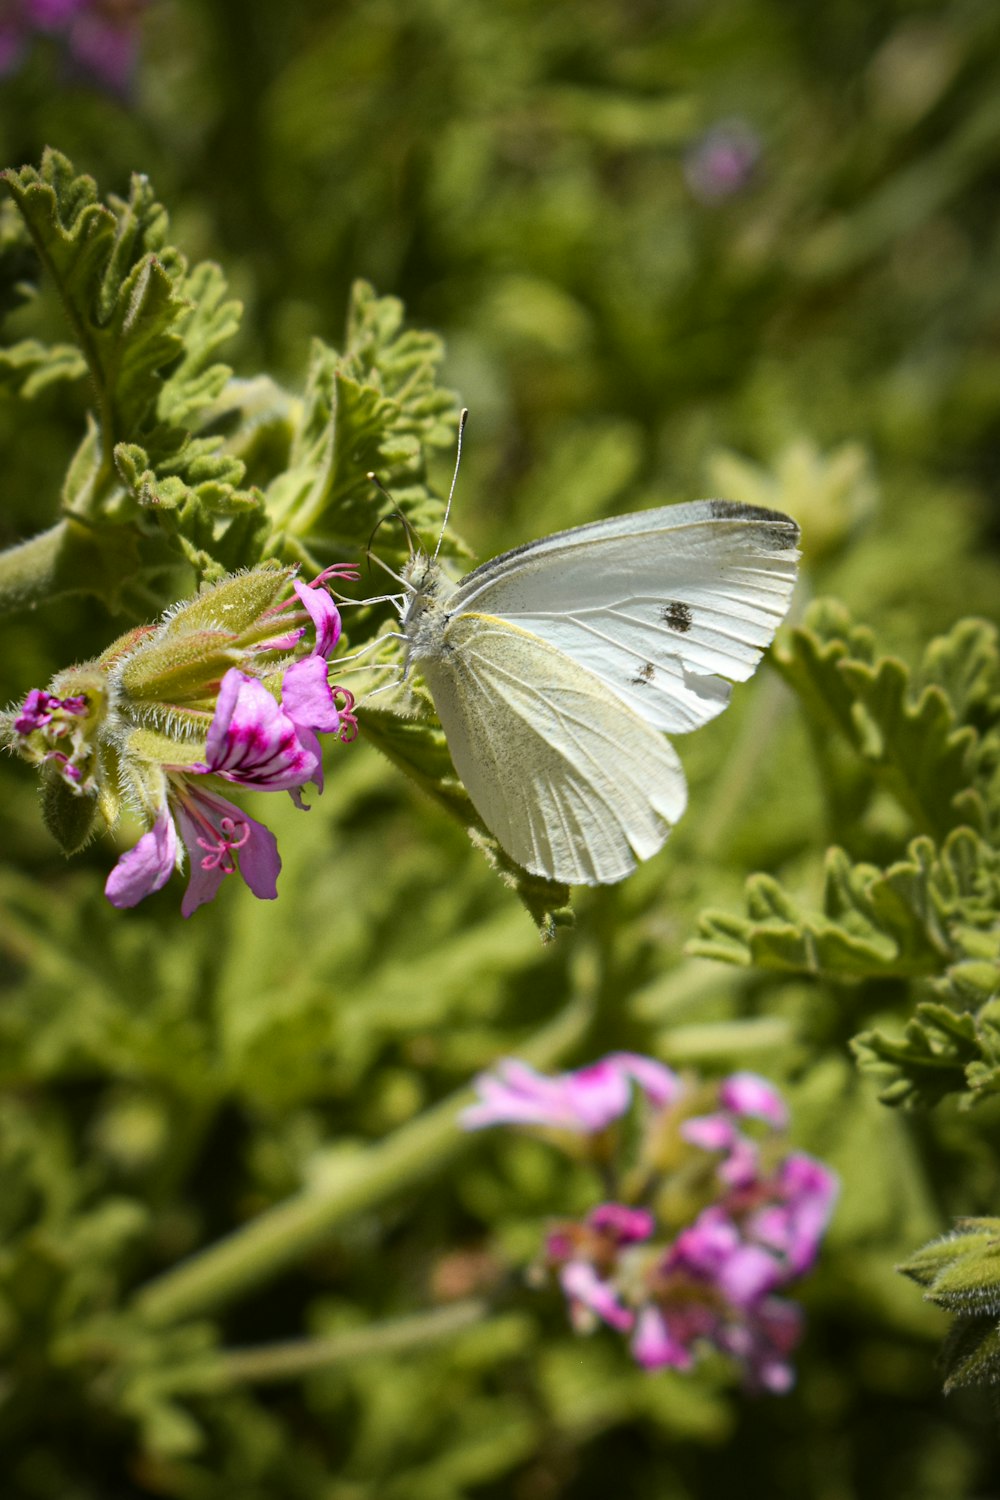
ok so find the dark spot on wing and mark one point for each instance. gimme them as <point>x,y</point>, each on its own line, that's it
<point>781,534</point>
<point>644,676</point>
<point>677,615</point>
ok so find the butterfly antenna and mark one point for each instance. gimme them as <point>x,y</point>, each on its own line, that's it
<point>411,535</point>
<point>454,479</point>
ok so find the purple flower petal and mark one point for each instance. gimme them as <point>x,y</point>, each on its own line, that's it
<point>748,1274</point>
<point>306,697</point>
<point>710,1132</point>
<point>39,708</point>
<point>36,711</point>
<point>794,1226</point>
<point>584,1289</point>
<point>147,866</point>
<point>749,1094</point>
<point>252,742</point>
<point>214,832</point>
<point>763,1341</point>
<point>627,1226</point>
<point>324,614</point>
<point>660,1084</point>
<point>585,1101</point>
<point>655,1346</point>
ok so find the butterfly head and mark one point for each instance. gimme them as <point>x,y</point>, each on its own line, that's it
<point>424,614</point>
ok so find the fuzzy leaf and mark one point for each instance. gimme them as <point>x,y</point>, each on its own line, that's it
<point>374,408</point>
<point>929,1062</point>
<point>970,1238</point>
<point>118,292</point>
<point>30,366</point>
<point>68,815</point>
<point>148,331</point>
<point>912,742</point>
<point>900,922</point>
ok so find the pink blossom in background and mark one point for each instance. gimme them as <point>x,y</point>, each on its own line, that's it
<point>584,1102</point>
<point>756,1221</point>
<point>723,162</point>
<point>99,38</point>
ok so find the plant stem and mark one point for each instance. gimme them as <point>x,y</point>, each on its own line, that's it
<point>297,1357</point>
<point>70,558</point>
<point>283,1234</point>
<point>29,572</point>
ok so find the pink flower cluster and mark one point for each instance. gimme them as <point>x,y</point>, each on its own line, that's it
<point>100,37</point>
<point>60,719</point>
<point>252,742</point>
<point>231,686</point>
<point>757,1214</point>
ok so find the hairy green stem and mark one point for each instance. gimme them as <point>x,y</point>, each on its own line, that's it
<point>297,1357</point>
<point>72,557</point>
<point>284,1234</point>
<point>32,572</point>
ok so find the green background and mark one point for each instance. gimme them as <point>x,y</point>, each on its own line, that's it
<point>826,340</point>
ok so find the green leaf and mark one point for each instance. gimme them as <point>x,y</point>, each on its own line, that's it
<point>929,1062</point>
<point>911,741</point>
<point>118,293</point>
<point>375,408</point>
<point>901,922</point>
<point>148,331</point>
<point>30,366</point>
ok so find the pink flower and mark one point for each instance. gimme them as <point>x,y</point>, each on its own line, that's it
<point>803,1193</point>
<point>213,831</point>
<point>324,614</point>
<point>589,1293</point>
<point>668,1336</point>
<point>750,1095</point>
<point>40,710</point>
<point>100,37</point>
<point>762,1342</point>
<point>665,1338</point>
<point>723,162</point>
<point>621,1224</point>
<point>251,742</point>
<point>711,1282</point>
<point>584,1102</point>
<point>713,1251</point>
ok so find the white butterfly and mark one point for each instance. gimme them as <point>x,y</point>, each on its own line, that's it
<point>556,668</point>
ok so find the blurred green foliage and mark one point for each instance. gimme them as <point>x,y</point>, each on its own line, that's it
<point>824,340</point>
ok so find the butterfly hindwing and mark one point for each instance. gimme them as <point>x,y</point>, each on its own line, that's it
<point>573,783</point>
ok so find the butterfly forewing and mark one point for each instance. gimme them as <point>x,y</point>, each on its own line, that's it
<point>574,785</point>
<point>663,606</point>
